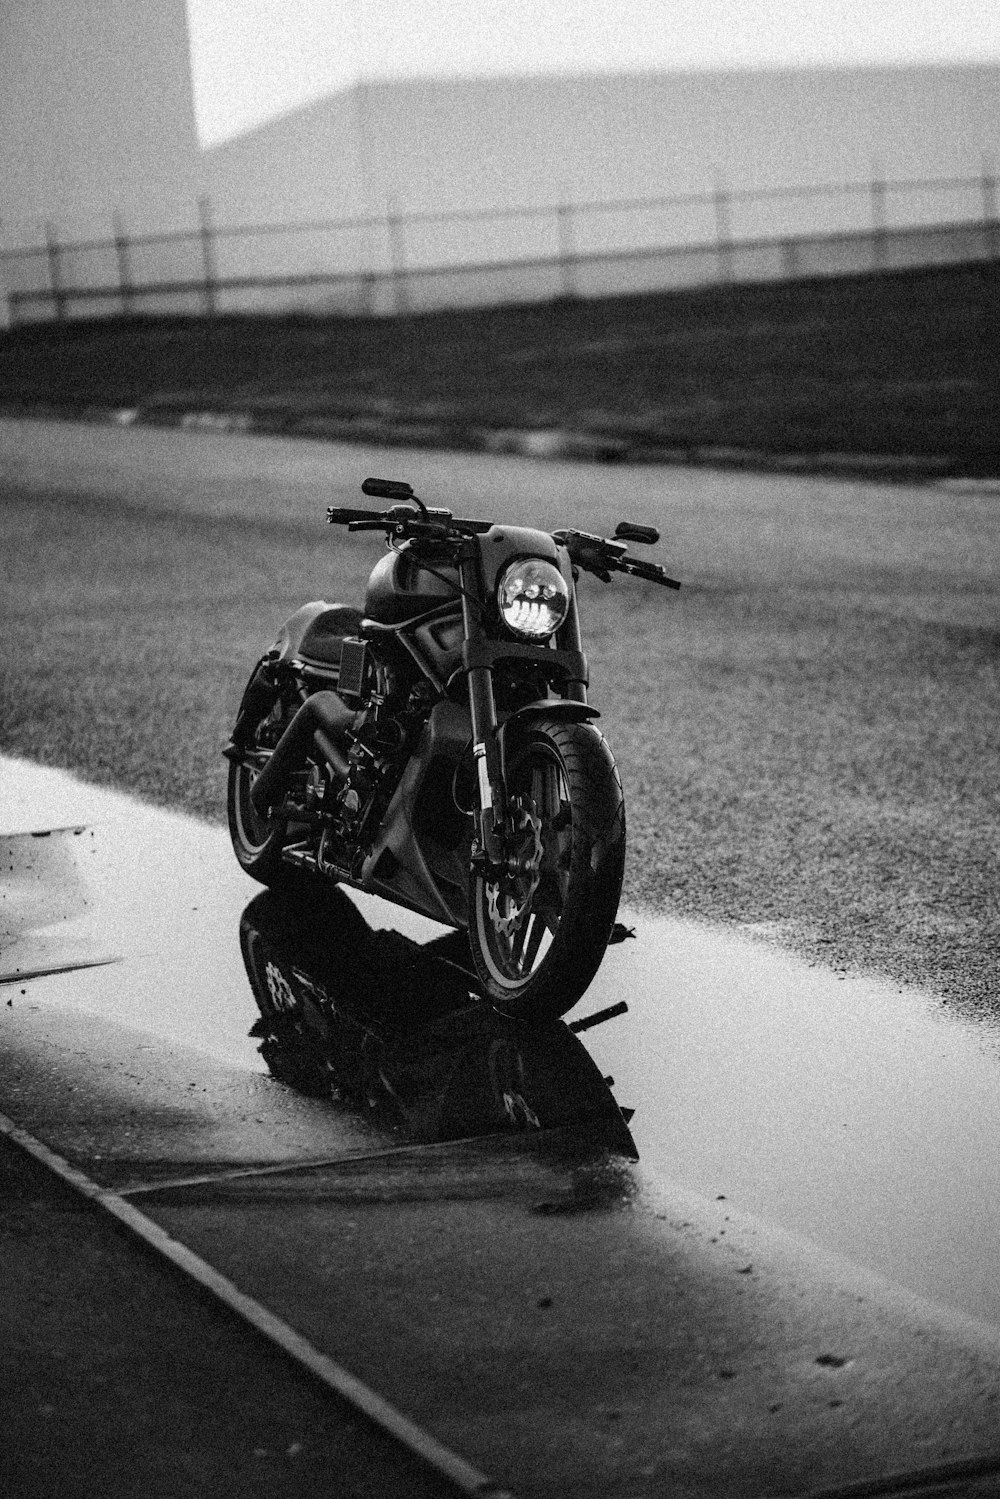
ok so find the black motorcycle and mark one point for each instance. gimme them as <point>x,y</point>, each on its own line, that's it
<point>438,749</point>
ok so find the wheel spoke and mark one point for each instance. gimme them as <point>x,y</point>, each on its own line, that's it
<point>538,929</point>
<point>517,944</point>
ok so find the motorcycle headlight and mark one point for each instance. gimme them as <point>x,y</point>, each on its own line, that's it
<point>533,598</point>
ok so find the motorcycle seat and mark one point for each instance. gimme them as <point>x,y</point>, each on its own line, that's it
<point>325,634</point>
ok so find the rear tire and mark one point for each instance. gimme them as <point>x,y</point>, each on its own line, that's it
<point>538,938</point>
<point>257,841</point>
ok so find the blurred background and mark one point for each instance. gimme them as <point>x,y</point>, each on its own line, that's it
<point>388,158</point>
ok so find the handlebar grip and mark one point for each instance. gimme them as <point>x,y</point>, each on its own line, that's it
<point>388,489</point>
<point>341,515</point>
<point>651,571</point>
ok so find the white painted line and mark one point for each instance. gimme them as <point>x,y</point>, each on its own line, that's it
<point>465,1478</point>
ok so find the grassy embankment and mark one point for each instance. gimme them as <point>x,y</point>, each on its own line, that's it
<point>808,734</point>
<point>904,364</point>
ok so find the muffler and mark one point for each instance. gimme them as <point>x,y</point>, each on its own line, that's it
<point>323,720</point>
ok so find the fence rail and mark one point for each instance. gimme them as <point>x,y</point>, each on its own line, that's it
<point>396,263</point>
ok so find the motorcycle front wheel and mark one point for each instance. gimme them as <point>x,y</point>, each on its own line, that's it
<point>538,934</point>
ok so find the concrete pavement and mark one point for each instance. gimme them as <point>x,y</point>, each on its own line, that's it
<point>561,1318</point>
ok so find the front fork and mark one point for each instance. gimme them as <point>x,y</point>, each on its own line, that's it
<point>490,844</point>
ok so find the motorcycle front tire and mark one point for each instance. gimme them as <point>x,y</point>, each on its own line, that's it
<point>538,939</point>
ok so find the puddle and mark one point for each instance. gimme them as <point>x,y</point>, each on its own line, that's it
<point>394,1028</point>
<point>865,1119</point>
<point>45,924</point>
<point>151,888</point>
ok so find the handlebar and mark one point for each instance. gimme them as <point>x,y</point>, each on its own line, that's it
<point>406,521</point>
<point>600,555</point>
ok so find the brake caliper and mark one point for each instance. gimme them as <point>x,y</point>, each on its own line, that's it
<point>509,899</point>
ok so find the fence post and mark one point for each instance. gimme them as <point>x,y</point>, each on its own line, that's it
<point>124,267</point>
<point>210,275</point>
<point>567,249</point>
<point>55,272</point>
<point>723,233</point>
<point>878,197</point>
<point>397,257</point>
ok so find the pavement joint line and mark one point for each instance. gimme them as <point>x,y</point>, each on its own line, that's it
<point>283,1168</point>
<point>465,1478</point>
<point>241,1173</point>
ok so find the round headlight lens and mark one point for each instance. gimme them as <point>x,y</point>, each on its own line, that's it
<point>533,598</point>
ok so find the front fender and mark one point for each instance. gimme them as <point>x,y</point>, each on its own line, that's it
<point>543,708</point>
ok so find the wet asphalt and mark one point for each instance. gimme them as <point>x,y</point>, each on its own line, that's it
<point>456,1216</point>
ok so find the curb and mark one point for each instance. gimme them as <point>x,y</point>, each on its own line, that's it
<point>543,443</point>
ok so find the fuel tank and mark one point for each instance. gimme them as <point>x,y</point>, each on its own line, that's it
<point>399,590</point>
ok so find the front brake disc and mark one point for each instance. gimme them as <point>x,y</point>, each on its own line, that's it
<point>521,887</point>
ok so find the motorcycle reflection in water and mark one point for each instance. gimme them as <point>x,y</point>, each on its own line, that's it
<point>397,1030</point>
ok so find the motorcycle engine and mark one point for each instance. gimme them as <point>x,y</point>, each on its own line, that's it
<point>394,708</point>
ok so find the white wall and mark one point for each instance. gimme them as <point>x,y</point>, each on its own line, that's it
<point>97,124</point>
<point>96,118</point>
<point>441,145</point>
<point>391,151</point>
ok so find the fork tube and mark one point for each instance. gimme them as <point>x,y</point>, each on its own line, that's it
<point>482,708</point>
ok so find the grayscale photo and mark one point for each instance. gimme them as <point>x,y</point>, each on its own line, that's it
<point>499,749</point>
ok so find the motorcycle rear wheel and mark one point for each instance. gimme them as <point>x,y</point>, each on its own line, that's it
<point>257,842</point>
<point>538,937</point>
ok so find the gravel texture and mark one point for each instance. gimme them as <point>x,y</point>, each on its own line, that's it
<point>807,735</point>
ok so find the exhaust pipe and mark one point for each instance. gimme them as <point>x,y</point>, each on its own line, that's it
<point>322,720</point>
